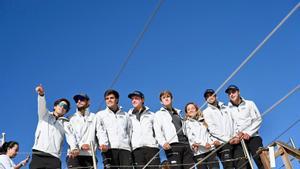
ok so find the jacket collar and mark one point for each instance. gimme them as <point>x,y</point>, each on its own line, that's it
<point>221,104</point>
<point>164,109</point>
<point>86,113</point>
<point>108,110</point>
<point>146,110</point>
<point>242,103</point>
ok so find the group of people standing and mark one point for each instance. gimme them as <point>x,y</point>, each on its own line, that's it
<point>133,139</point>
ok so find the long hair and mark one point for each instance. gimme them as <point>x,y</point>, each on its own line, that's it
<point>7,145</point>
<point>199,114</point>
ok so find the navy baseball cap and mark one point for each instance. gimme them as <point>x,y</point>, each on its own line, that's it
<point>231,87</point>
<point>136,93</point>
<point>81,96</point>
<point>208,91</point>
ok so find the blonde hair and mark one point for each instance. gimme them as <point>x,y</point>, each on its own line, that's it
<point>199,114</point>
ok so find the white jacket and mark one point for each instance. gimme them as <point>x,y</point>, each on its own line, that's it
<point>113,129</point>
<point>84,129</point>
<point>49,134</point>
<point>246,117</point>
<point>197,133</point>
<point>219,122</point>
<point>142,131</point>
<point>165,130</point>
<point>6,162</point>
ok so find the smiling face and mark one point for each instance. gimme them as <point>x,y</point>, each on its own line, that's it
<point>61,109</point>
<point>82,104</point>
<point>211,98</point>
<point>191,110</point>
<point>137,102</point>
<point>234,96</point>
<point>12,152</point>
<point>111,101</point>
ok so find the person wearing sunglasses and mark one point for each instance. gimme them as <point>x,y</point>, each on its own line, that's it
<point>50,132</point>
<point>83,123</point>
<point>247,121</point>
<point>220,126</point>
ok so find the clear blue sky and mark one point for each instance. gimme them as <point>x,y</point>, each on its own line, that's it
<point>79,46</point>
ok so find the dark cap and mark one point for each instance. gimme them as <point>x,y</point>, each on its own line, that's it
<point>81,96</point>
<point>136,93</point>
<point>231,87</point>
<point>208,91</point>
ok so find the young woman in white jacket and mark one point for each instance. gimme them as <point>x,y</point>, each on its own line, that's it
<point>199,138</point>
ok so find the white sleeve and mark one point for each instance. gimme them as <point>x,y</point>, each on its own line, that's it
<point>70,137</point>
<point>256,120</point>
<point>42,108</point>
<point>101,131</point>
<point>213,128</point>
<point>6,163</point>
<point>159,133</point>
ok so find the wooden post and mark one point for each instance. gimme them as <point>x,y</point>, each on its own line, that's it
<point>264,156</point>
<point>285,159</point>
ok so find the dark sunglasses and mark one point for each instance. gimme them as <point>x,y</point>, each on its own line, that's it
<point>231,91</point>
<point>63,105</point>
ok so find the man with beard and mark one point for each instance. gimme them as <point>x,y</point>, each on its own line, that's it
<point>247,120</point>
<point>83,124</point>
<point>220,126</point>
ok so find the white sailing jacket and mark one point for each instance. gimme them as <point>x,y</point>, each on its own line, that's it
<point>49,134</point>
<point>246,117</point>
<point>219,122</point>
<point>165,130</point>
<point>113,129</point>
<point>84,128</point>
<point>142,131</point>
<point>197,133</point>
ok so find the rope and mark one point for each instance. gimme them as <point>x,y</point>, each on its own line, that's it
<point>261,44</point>
<point>135,45</point>
<point>245,61</point>
<point>263,114</point>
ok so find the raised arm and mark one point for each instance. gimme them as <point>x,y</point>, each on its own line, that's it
<point>42,108</point>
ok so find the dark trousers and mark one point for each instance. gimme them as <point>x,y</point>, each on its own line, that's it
<point>210,163</point>
<point>142,155</point>
<point>41,160</point>
<point>252,145</point>
<point>82,162</point>
<point>180,156</point>
<point>117,158</point>
<point>225,155</point>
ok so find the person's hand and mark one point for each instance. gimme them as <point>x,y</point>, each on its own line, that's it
<point>207,146</point>
<point>40,90</point>
<point>234,140</point>
<point>85,147</point>
<point>216,143</point>
<point>239,135</point>
<point>246,136</point>
<point>103,148</point>
<point>25,161</point>
<point>166,146</point>
<point>195,146</point>
<point>73,153</point>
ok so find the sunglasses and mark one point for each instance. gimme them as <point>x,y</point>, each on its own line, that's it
<point>232,91</point>
<point>63,105</point>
